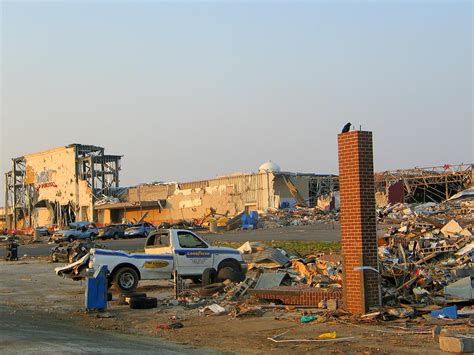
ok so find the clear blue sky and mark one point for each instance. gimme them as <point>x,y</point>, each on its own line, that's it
<point>191,90</point>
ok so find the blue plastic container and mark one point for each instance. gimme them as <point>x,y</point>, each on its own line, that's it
<point>447,312</point>
<point>96,289</point>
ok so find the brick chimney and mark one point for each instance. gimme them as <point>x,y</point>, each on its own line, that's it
<point>358,222</point>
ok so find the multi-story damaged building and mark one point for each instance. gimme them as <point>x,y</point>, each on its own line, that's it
<point>59,185</point>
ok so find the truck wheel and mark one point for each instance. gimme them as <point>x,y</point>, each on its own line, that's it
<point>143,302</point>
<point>231,264</point>
<point>209,276</point>
<point>126,279</point>
<point>229,273</point>
<point>70,239</point>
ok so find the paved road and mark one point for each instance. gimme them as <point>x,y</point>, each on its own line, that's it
<point>23,332</point>
<point>319,232</point>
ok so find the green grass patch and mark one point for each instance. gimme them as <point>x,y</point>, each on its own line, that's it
<point>301,247</point>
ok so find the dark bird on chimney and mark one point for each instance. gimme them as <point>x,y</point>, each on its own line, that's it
<point>346,128</point>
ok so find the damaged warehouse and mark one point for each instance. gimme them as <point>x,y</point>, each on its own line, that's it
<point>226,195</point>
<point>59,185</point>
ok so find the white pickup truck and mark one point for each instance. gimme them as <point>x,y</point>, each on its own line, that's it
<point>166,250</point>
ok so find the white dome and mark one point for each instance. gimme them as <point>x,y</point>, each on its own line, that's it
<point>269,166</point>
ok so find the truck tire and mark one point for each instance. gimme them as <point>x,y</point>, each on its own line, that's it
<point>143,303</point>
<point>209,276</point>
<point>126,279</point>
<point>229,263</point>
<point>229,273</point>
<point>209,290</point>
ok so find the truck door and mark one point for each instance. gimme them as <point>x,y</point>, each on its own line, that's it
<point>192,255</point>
<point>158,262</point>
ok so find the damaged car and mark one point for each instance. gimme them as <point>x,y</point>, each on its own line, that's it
<point>74,231</point>
<point>113,231</point>
<point>139,230</point>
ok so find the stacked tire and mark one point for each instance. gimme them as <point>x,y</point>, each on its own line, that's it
<point>138,301</point>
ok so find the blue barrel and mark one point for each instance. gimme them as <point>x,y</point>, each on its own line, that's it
<point>96,289</point>
<point>254,218</point>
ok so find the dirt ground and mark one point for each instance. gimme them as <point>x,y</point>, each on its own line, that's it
<point>32,285</point>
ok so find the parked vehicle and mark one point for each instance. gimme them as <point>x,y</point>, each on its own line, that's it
<point>42,231</point>
<point>166,251</point>
<point>139,230</point>
<point>113,231</point>
<point>76,230</point>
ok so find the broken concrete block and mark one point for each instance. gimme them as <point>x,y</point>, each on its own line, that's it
<point>451,228</point>
<point>456,344</point>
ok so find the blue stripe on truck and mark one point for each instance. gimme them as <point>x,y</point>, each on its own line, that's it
<point>133,256</point>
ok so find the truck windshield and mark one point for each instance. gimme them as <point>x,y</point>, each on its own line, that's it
<point>188,240</point>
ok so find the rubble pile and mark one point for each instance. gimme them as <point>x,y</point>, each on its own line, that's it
<point>423,256</point>
<point>458,208</point>
<point>321,270</point>
<point>73,251</point>
<point>296,217</point>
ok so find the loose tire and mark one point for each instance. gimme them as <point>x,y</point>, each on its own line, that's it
<point>122,300</point>
<point>126,279</point>
<point>209,290</point>
<point>209,276</point>
<point>143,303</point>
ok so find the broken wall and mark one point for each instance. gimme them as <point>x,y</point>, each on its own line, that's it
<point>53,173</point>
<point>283,194</point>
<point>228,194</point>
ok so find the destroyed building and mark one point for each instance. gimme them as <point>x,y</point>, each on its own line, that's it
<point>269,188</point>
<point>80,182</point>
<point>59,185</point>
<point>432,184</point>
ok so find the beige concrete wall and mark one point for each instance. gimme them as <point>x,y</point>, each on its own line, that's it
<point>43,216</point>
<point>2,219</point>
<point>228,194</point>
<point>53,174</point>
